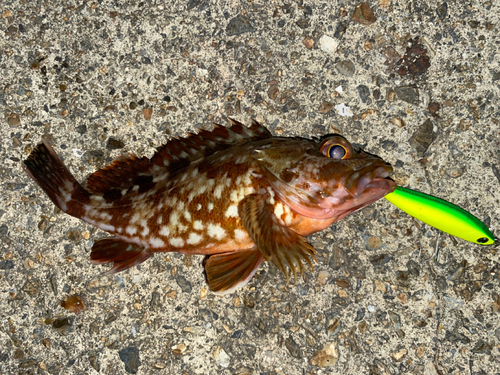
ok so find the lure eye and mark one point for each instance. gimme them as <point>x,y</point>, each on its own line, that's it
<point>482,240</point>
<point>336,152</point>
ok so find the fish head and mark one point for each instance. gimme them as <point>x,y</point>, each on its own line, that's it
<point>325,179</point>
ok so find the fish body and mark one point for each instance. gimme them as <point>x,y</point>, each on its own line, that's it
<point>237,195</point>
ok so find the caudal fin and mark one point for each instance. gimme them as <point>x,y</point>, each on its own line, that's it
<point>44,166</point>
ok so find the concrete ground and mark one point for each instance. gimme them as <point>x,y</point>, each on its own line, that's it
<point>415,82</point>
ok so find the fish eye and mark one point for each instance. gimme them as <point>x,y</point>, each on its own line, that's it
<point>336,152</point>
<point>336,147</point>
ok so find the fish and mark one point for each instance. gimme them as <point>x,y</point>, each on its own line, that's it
<point>237,195</point>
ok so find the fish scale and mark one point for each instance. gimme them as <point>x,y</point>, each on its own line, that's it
<point>236,195</point>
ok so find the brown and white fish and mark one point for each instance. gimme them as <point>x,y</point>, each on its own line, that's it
<point>237,195</point>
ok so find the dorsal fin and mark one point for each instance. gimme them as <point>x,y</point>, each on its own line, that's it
<point>177,153</point>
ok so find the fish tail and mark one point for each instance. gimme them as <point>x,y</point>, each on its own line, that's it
<point>48,171</point>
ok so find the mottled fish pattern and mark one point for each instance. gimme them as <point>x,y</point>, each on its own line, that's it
<point>235,194</point>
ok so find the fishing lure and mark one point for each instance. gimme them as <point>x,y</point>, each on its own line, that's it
<point>441,215</point>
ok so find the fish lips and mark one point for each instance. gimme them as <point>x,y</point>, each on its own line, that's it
<point>370,181</point>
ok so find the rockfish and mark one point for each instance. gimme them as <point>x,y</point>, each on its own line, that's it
<point>235,194</point>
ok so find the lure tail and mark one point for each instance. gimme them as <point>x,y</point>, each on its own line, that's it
<point>44,166</point>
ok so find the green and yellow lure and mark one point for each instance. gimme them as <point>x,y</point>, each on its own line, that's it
<point>441,215</point>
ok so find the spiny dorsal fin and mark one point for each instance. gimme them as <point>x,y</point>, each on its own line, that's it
<point>176,154</point>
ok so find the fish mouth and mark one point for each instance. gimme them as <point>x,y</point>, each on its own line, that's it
<point>372,180</point>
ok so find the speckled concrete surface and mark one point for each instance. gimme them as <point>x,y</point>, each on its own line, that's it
<point>100,79</point>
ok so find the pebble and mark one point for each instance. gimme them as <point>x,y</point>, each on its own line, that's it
<point>130,357</point>
<point>63,325</point>
<point>344,110</point>
<point>328,44</point>
<point>326,357</point>
<point>239,25</point>
<point>363,92</point>
<point>346,68</point>
<point>303,23</point>
<point>148,112</point>
<point>179,349</point>
<point>423,137</point>
<point>74,304</point>
<point>323,277</point>
<point>6,264</point>
<point>372,243</point>
<point>454,172</point>
<point>364,14</point>
<point>13,119</point>
<point>325,107</point>
<point>221,357</point>
<point>308,42</point>
<point>114,144</point>
<point>338,258</point>
<point>398,356</point>
<point>360,314</point>
<point>272,92</point>
<point>293,348</point>
<point>185,285</point>
<point>407,94</point>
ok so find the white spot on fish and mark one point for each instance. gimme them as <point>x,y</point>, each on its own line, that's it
<point>232,211</point>
<point>194,239</point>
<point>198,207</point>
<point>216,231</point>
<point>239,235</point>
<point>278,210</point>
<point>156,242</point>
<point>106,227</point>
<point>135,217</point>
<point>288,219</point>
<point>105,216</point>
<point>164,231</point>
<point>210,207</point>
<point>191,196</point>
<point>159,220</point>
<point>174,219</point>
<point>176,242</point>
<point>187,215</point>
<point>218,191</point>
<point>160,177</point>
<point>180,206</point>
<point>124,191</point>
<point>119,229</point>
<point>145,231</point>
<point>131,230</point>
<point>135,188</point>
<point>194,173</point>
<point>197,225</point>
<point>96,198</point>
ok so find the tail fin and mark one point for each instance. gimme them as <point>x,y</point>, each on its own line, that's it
<point>44,166</point>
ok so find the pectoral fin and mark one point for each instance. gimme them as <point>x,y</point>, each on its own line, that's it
<point>278,244</point>
<point>230,271</point>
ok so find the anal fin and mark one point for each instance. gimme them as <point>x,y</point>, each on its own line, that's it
<point>122,254</point>
<point>230,271</point>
